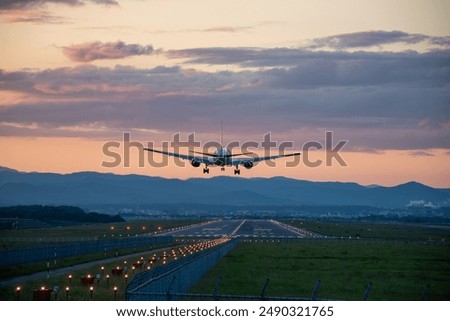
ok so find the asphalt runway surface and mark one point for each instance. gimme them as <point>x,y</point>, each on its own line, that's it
<point>241,228</point>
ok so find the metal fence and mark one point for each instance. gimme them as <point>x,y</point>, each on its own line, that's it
<point>52,253</point>
<point>262,296</point>
<point>164,282</point>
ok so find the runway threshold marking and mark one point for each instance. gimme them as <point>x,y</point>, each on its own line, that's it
<point>237,228</point>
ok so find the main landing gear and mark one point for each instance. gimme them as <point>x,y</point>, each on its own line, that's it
<point>237,171</point>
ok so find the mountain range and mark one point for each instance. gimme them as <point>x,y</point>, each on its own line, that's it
<point>90,189</point>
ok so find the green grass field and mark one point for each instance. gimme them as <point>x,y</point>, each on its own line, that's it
<point>33,237</point>
<point>381,231</point>
<point>398,271</point>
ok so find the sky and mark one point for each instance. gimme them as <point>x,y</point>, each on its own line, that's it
<point>75,75</point>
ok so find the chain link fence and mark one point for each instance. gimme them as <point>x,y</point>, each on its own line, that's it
<point>52,253</point>
<point>166,281</point>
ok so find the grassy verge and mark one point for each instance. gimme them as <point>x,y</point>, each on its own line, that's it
<point>398,271</point>
<point>10,239</point>
<point>375,230</point>
<point>26,269</point>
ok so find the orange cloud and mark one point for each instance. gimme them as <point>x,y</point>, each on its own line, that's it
<point>90,51</point>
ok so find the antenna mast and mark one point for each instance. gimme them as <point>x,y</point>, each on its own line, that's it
<point>221,133</point>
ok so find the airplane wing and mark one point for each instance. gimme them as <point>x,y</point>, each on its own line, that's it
<point>242,161</point>
<point>204,160</point>
<point>214,155</point>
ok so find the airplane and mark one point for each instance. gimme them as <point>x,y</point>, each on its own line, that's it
<point>222,157</point>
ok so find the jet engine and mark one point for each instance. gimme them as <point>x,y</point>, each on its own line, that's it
<point>248,165</point>
<point>195,163</point>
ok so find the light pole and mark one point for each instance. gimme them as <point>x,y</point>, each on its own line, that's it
<point>55,290</point>
<point>115,292</point>
<point>91,291</point>
<point>18,290</point>
<point>67,293</point>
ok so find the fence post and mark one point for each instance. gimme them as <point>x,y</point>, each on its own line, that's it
<point>187,271</point>
<point>425,292</point>
<point>170,286</point>
<point>216,288</point>
<point>48,265</point>
<point>316,289</point>
<point>264,289</point>
<point>367,292</point>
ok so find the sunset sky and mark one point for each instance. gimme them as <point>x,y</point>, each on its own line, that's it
<point>77,74</point>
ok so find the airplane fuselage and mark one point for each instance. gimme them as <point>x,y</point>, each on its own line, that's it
<point>222,157</point>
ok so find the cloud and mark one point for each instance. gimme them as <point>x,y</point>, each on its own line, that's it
<point>419,153</point>
<point>246,57</point>
<point>375,38</point>
<point>91,51</point>
<point>31,4</point>
<point>106,2</point>
<point>227,29</point>
<point>297,68</point>
<point>292,57</point>
<point>33,11</point>
<point>32,16</point>
<point>363,69</point>
<point>377,100</point>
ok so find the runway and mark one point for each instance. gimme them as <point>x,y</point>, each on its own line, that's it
<point>242,228</point>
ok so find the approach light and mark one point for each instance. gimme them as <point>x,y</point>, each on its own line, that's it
<point>18,290</point>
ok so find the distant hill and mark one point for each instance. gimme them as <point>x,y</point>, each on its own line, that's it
<point>91,189</point>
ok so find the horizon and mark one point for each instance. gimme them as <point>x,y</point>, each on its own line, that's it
<point>222,176</point>
<point>76,75</point>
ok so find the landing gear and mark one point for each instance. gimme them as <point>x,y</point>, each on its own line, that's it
<point>206,170</point>
<point>237,171</point>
